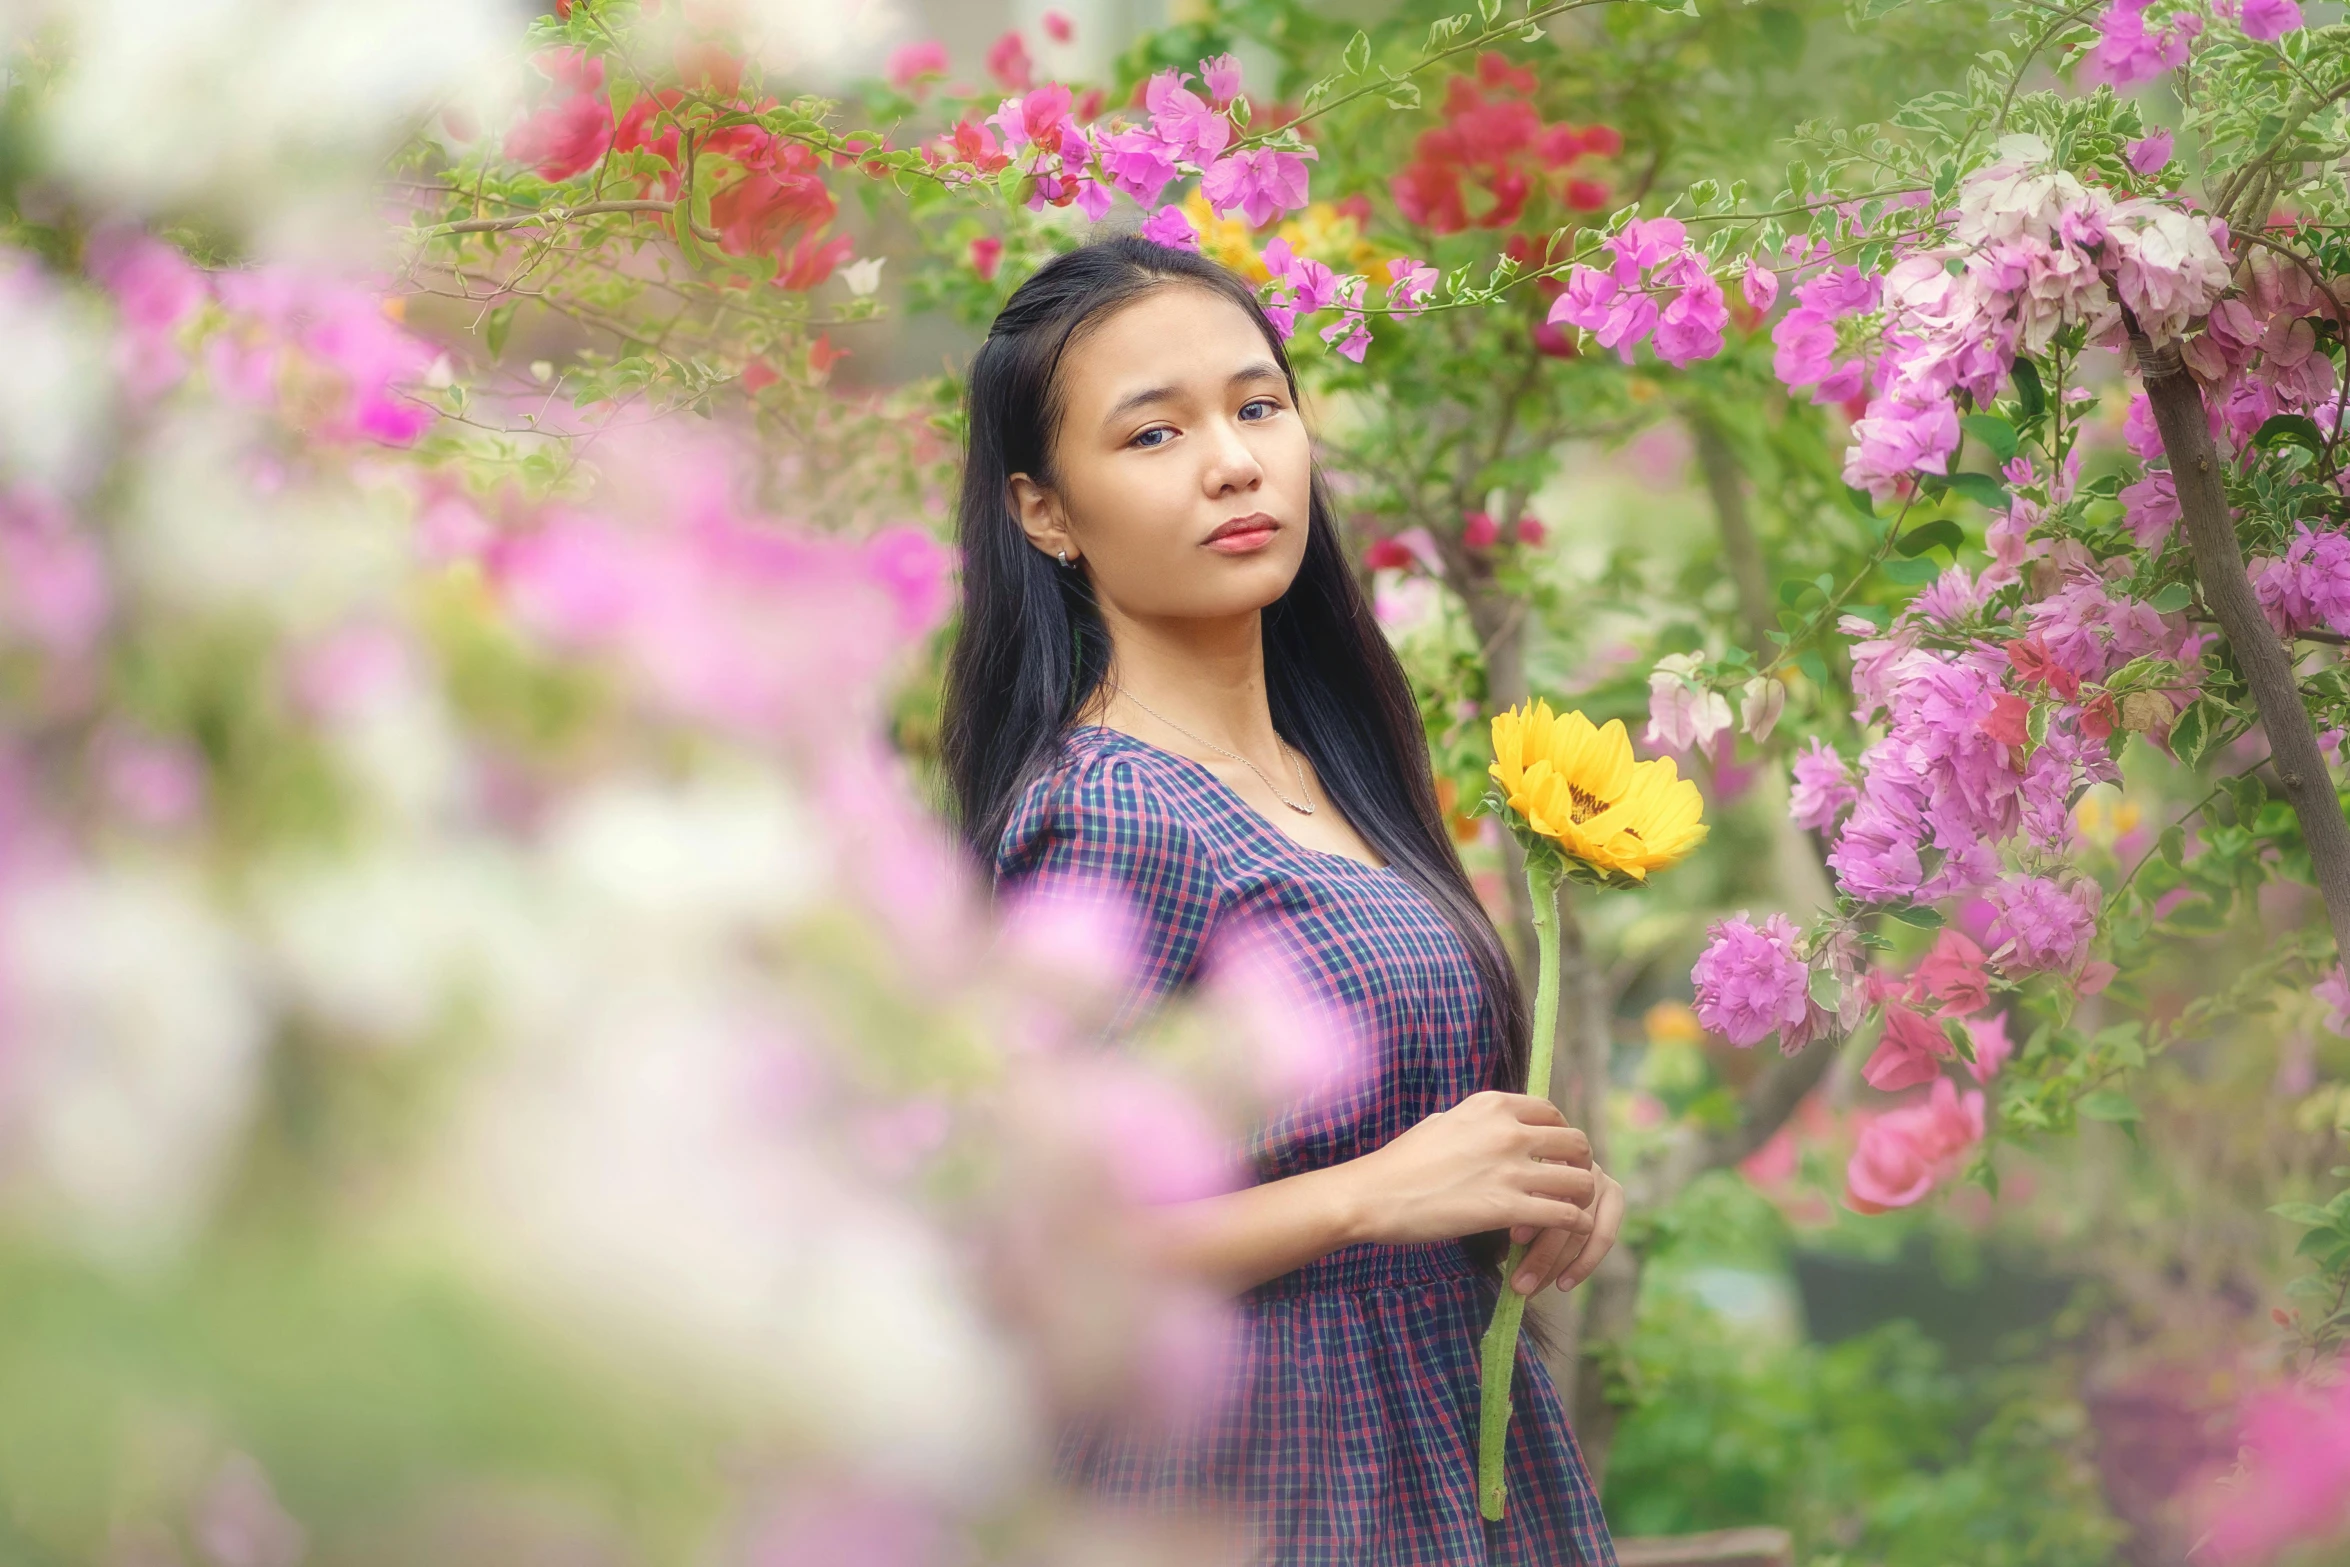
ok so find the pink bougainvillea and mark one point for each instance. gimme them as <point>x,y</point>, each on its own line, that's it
<point>1750,984</point>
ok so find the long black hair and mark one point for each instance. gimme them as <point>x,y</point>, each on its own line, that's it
<point>1031,649</point>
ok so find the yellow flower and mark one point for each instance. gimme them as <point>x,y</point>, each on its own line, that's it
<point>1225,239</point>
<point>1328,235</point>
<point>1578,785</point>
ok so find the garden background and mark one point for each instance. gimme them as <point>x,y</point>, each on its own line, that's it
<point>500,1059</point>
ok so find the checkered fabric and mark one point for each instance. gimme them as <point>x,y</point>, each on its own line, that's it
<point>1349,1435</point>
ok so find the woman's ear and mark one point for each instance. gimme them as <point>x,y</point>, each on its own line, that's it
<point>1040,516</point>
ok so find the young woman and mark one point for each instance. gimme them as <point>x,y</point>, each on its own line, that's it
<point>1168,678</point>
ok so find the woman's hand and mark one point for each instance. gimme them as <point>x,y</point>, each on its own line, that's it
<point>1492,1162</point>
<point>1568,1257</point>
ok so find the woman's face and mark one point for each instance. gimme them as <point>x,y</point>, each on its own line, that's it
<point>1182,472</point>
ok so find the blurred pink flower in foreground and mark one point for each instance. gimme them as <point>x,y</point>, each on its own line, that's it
<point>283,321</point>
<point>2296,1484</point>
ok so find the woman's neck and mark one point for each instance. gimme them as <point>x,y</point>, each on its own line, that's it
<point>1204,677</point>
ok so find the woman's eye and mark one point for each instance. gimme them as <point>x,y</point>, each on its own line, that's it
<point>1269,407</point>
<point>1150,437</point>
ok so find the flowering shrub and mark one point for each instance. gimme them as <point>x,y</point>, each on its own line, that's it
<point>398,684</point>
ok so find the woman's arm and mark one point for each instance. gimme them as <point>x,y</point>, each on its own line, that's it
<point>1492,1162</point>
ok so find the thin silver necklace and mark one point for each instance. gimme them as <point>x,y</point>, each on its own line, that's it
<point>1295,760</point>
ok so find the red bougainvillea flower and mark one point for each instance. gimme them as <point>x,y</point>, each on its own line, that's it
<point>1494,152</point>
<point>822,355</point>
<point>1058,27</point>
<point>987,254</point>
<point>568,135</point>
<point>778,206</point>
<point>1905,1153</point>
<point>813,260</point>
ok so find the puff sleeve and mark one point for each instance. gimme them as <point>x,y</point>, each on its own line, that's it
<point>1095,824</point>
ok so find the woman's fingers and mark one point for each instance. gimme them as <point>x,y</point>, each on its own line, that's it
<point>1568,1182</point>
<point>1607,1219</point>
<point>1559,1145</point>
<point>1545,1259</point>
<point>1534,1211</point>
<point>1532,1111</point>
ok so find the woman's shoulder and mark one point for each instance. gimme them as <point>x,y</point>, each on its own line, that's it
<point>1111,798</point>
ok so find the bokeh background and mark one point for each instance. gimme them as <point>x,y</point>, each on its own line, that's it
<point>501,1059</point>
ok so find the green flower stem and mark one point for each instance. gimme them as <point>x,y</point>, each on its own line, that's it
<point>1501,1337</point>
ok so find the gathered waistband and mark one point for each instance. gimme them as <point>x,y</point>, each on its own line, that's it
<point>1372,1268</point>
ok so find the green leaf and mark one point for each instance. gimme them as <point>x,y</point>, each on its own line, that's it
<point>1826,990</point>
<point>2306,1214</point>
<point>1814,667</point>
<point>1862,502</point>
<point>500,323</point>
<point>1941,533</point>
<point>2108,1104</point>
<point>1982,489</point>
<point>1357,58</point>
<point>2172,599</point>
<point>2191,734</point>
<point>1909,573</point>
<point>1403,95</point>
<point>2031,396</point>
<point>1994,432</point>
<point>1924,916</point>
<point>2248,794</point>
<point>2289,430</point>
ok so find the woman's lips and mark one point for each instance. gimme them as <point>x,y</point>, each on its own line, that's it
<point>1243,535</point>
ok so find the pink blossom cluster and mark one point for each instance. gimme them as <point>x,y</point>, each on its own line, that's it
<point>2259,356</point>
<point>1751,984</point>
<point>2128,53</point>
<point>2026,250</point>
<point>1086,165</point>
<point>721,617</point>
<point>2309,587</point>
<point>1653,262</point>
<point>1806,338</point>
<point>274,324</point>
<point>1684,713</point>
<point>1300,285</point>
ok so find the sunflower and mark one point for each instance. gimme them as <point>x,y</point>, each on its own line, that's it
<point>1578,785</point>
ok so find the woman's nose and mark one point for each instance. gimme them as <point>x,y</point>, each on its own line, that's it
<point>1232,465</point>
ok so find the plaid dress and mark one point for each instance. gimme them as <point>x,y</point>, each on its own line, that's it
<point>1349,1433</point>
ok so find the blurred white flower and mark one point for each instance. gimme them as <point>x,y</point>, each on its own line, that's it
<point>690,859</point>
<point>53,399</point>
<point>134,1050</point>
<point>205,536</point>
<point>381,947</point>
<point>252,106</point>
<point>652,1168</point>
<point>803,40</point>
<point>864,276</point>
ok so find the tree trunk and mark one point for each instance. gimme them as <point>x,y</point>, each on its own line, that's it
<point>2301,770</point>
<point>1741,550</point>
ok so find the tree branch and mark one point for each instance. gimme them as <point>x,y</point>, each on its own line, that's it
<point>2302,776</point>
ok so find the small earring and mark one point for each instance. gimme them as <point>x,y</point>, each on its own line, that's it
<point>1064,554</point>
